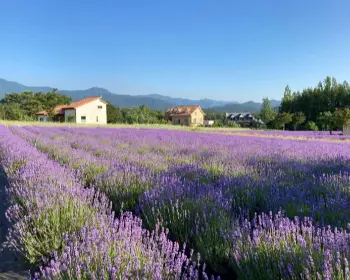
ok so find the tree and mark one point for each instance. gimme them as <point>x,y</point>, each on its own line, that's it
<point>311,126</point>
<point>114,114</point>
<point>267,114</point>
<point>325,120</point>
<point>282,119</point>
<point>13,112</point>
<point>286,104</point>
<point>2,112</point>
<point>341,117</point>
<point>297,119</point>
<point>53,99</point>
<point>25,105</point>
<point>328,95</point>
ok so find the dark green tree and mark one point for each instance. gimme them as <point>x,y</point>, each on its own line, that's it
<point>297,119</point>
<point>328,95</point>
<point>13,112</point>
<point>2,112</point>
<point>25,105</point>
<point>114,114</point>
<point>287,100</point>
<point>282,119</point>
<point>53,99</point>
<point>341,117</point>
<point>325,121</point>
<point>267,114</point>
<point>311,126</point>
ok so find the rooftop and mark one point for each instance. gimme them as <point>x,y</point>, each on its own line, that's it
<point>59,109</point>
<point>182,110</point>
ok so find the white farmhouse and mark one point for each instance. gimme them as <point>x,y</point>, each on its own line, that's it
<point>91,110</point>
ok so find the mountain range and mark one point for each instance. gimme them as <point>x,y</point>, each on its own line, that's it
<point>154,101</point>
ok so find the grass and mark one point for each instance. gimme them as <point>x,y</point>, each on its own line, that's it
<point>152,126</point>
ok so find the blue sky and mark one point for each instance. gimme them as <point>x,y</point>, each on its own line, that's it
<point>220,49</point>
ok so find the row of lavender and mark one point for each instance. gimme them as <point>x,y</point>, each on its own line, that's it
<point>336,135</point>
<point>71,231</point>
<point>205,189</point>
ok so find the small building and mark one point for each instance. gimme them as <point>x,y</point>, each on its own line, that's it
<point>185,115</point>
<point>244,119</point>
<point>91,110</point>
<point>346,129</point>
<point>208,122</point>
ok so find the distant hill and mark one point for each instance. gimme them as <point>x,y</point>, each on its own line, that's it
<point>249,106</point>
<point>205,103</point>
<point>154,101</point>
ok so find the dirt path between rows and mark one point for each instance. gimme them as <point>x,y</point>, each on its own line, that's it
<point>10,266</point>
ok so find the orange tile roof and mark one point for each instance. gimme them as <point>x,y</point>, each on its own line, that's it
<point>59,109</point>
<point>182,110</point>
<point>83,102</point>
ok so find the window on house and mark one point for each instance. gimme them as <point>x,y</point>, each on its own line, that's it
<point>100,107</point>
<point>194,120</point>
<point>96,118</point>
<point>83,118</point>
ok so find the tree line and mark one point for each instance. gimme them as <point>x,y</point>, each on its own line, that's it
<point>134,115</point>
<point>324,107</point>
<point>24,106</point>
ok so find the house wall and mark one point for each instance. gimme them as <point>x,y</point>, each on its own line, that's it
<point>92,113</point>
<point>197,117</point>
<point>184,120</point>
<point>43,118</point>
<point>69,113</point>
<point>346,130</point>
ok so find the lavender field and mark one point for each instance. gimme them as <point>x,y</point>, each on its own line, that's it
<point>322,135</point>
<point>102,203</point>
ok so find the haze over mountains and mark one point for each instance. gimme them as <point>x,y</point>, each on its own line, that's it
<point>154,101</point>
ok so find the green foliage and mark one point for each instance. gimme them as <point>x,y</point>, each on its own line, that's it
<point>45,232</point>
<point>210,228</point>
<point>267,114</point>
<point>52,99</point>
<point>25,105</point>
<point>328,96</point>
<point>286,105</point>
<point>282,119</point>
<point>123,189</point>
<point>71,119</point>
<point>311,126</point>
<point>134,115</point>
<point>13,112</point>
<point>114,114</point>
<point>233,124</point>
<point>325,121</point>
<point>90,171</point>
<point>297,119</point>
<point>217,117</point>
<point>341,117</point>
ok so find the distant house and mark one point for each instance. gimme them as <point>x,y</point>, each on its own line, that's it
<point>185,115</point>
<point>91,110</point>
<point>208,122</point>
<point>244,119</point>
